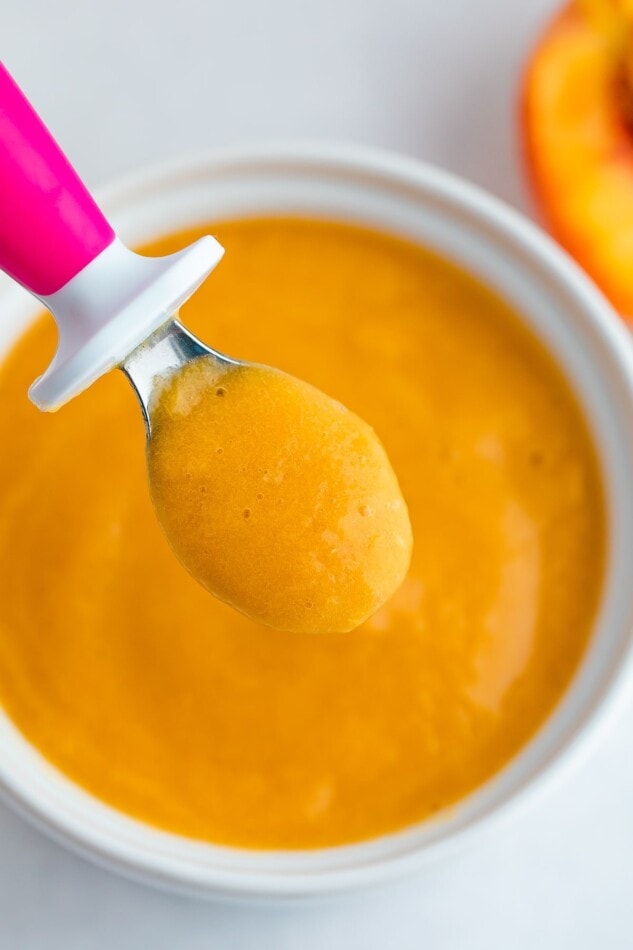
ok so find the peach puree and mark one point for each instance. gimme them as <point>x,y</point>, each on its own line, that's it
<point>171,706</point>
<point>278,499</point>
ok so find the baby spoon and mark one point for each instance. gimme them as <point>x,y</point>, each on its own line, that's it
<point>106,299</point>
<point>275,497</point>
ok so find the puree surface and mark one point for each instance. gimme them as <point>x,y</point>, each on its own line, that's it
<point>173,707</point>
<point>277,498</point>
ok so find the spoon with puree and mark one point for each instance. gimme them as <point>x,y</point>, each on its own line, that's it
<point>274,496</point>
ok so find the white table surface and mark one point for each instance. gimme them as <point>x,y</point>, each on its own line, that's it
<point>129,82</point>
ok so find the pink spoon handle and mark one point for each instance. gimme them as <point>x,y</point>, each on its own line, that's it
<point>50,227</point>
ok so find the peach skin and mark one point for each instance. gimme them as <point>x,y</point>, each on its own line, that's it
<point>577,123</point>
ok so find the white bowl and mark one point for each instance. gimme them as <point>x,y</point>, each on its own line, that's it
<point>578,327</point>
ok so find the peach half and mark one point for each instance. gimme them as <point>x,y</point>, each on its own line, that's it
<point>577,122</point>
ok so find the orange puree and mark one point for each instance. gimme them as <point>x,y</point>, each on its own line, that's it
<point>173,707</point>
<point>279,500</point>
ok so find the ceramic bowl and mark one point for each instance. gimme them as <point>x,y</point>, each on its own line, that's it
<point>560,305</point>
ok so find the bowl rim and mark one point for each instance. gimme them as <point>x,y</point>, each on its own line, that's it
<point>155,866</point>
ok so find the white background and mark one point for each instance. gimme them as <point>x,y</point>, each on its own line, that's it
<point>130,82</point>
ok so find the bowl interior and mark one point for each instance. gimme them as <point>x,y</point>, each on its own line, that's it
<point>563,310</point>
